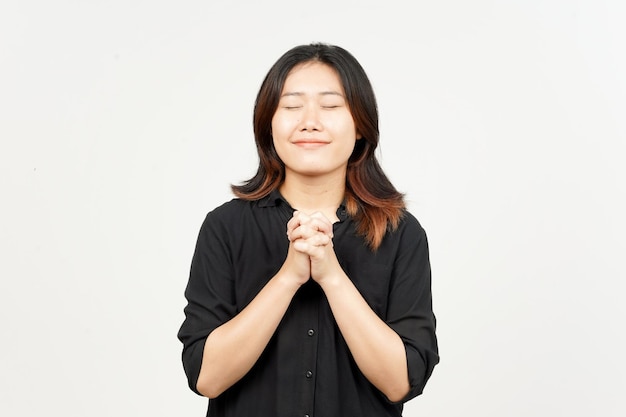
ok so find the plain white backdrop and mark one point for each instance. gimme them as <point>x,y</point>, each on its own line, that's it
<point>122,123</point>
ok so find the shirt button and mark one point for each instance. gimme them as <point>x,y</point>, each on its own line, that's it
<point>308,374</point>
<point>311,332</point>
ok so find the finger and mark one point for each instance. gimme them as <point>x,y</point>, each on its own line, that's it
<point>292,225</point>
<point>320,222</point>
<point>320,215</point>
<point>303,231</point>
<point>320,240</point>
<point>301,216</point>
<point>313,244</point>
<point>296,220</point>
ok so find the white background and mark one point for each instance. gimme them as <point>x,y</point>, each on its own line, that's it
<point>123,122</point>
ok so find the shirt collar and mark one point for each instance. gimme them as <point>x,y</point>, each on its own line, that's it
<point>275,198</point>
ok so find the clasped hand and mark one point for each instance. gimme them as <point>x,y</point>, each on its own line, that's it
<point>311,252</point>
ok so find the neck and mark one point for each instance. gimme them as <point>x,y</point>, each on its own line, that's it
<point>313,194</point>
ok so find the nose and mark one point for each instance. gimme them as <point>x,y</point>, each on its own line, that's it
<point>310,119</point>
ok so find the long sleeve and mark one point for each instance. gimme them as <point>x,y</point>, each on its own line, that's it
<point>209,294</point>
<point>409,307</point>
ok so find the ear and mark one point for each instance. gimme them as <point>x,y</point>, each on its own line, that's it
<point>359,136</point>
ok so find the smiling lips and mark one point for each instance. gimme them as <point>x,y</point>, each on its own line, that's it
<point>310,143</point>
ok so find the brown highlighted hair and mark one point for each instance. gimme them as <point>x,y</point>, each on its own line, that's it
<point>371,199</point>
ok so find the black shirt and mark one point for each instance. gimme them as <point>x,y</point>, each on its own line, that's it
<point>306,368</point>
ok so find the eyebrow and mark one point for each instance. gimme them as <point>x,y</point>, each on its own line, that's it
<point>323,93</point>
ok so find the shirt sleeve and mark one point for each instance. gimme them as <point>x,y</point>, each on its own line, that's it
<point>209,294</point>
<point>410,311</point>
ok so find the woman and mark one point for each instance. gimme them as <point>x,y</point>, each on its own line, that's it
<point>309,293</point>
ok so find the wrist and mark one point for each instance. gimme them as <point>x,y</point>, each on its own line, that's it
<point>288,281</point>
<point>333,282</point>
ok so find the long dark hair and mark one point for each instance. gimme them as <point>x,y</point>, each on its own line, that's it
<point>371,199</point>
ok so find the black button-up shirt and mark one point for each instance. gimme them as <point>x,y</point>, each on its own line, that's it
<point>306,368</point>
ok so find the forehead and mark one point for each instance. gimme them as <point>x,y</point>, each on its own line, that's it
<point>310,76</point>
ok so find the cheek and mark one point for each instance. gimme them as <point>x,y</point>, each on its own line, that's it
<point>348,131</point>
<point>280,127</point>
<point>278,136</point>
<point>342,124</point>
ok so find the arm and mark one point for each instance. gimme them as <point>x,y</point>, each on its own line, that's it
<point>214,327</point>
<point>247,333</point>
<point>377,349</point>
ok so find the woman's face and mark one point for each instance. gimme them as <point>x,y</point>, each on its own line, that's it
<point>313,130</point>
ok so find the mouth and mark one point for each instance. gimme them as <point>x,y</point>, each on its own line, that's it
<point>310,143</point>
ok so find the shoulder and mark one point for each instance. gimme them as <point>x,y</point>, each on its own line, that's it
<point>231,212</point>
<point>410,224</point>
<point>409,235</point>
<point>229,209</point>
<point>237,212</point>
<point>224,221</point>
<point>237,208</point>
<point>406,236</point>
